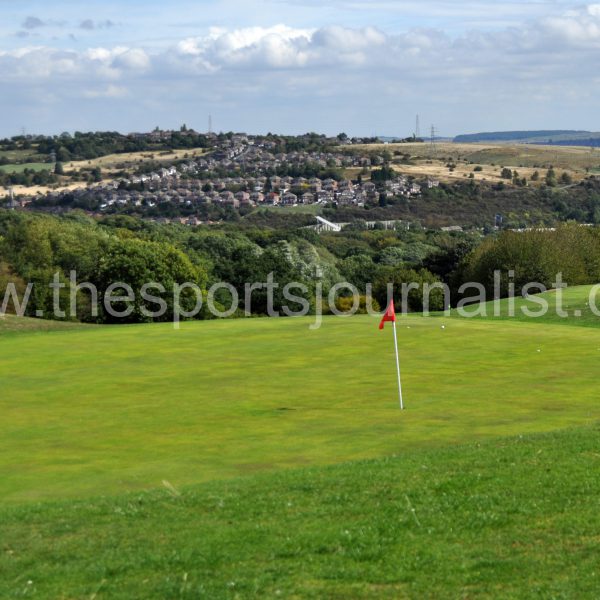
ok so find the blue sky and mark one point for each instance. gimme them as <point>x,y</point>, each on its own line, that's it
<point>292,66</point>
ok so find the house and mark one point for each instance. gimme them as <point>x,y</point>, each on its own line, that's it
<point>243,197</point>
<point>228,198</point>
<point>325,196</point>
<point>289,199</point>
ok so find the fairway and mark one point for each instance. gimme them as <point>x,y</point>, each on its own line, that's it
<point>115,409</point>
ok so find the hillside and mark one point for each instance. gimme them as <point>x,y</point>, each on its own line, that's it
<point>577,303</point>
<point>512,518</point>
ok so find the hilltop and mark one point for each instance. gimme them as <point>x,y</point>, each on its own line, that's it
<point>547,137</point>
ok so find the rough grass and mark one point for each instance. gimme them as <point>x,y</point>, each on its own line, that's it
<point>10,324</point>
<point>576,158</point>
<point>108,410</point>
<point>526,159</point>
<point>513,518</point>
<point>131,160</point>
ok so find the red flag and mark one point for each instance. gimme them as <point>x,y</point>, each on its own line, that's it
<point>389,316</point>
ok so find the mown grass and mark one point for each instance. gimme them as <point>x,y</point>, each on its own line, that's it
<point>574,306</point>
<point>109,410</point>
<point>512,518</point>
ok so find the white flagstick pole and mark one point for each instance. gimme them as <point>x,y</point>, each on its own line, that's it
<point>398,368</point>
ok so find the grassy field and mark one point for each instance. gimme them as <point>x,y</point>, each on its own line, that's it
<point>514,518</point>
<point>30,166</point>
<point>576,303</point>
<point>110,410</point>
<point>525,158</point>
<point>300,209</point>
<point>110,165</point>
<point>22,156</point>
<point>130,160</point>
<point>260,459</point>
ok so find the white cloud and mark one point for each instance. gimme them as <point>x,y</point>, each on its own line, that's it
<point>247,69</point>
<point>132,60</point>
<point>110,91</point>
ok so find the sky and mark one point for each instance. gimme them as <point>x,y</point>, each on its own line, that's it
<point>286,66</point>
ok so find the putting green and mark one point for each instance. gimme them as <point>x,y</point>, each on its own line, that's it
<point>107,410</point>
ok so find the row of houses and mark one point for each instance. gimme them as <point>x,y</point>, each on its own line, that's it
<point>195,182</point>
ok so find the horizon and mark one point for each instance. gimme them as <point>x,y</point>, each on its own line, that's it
<point>383,137</point>
<point>366,68</point>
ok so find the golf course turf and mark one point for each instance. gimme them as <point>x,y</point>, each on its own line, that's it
<point>258,458</point>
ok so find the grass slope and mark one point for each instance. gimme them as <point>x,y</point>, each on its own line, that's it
<point>108,410</point>
<point>514,518</point>
<point>577,303</point>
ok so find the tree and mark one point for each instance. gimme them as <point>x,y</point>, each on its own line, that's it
<point>566,179</point>
<point>550,177</point>
<point>63,155</point>
<point>59,169</point>
<point>96,174</point>
<point>397,276</point>
<point>137,262</point>
<point>506,173</point>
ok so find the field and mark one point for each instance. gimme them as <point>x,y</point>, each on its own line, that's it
<point>22,156</point>
<point>130,160</point>
<point>220,399</point>
<point>260,459</point>
<point>525,158</point>
<point>580,307</point>
<point>110,165</point>
<point>31,166</point>
<point>299,209</point>
<point>514,518</point>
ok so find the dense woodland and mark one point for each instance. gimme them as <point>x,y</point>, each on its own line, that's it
<point>102,251</point>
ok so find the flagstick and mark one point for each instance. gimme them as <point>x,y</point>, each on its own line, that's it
<point>398,368</point>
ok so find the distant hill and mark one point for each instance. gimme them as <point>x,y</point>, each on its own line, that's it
<point>558,137</point>
<point>390,139</point>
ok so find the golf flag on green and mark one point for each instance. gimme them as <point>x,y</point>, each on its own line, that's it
<point>390,317</point>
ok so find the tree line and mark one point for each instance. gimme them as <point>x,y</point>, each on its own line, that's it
<point>119,248</point>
